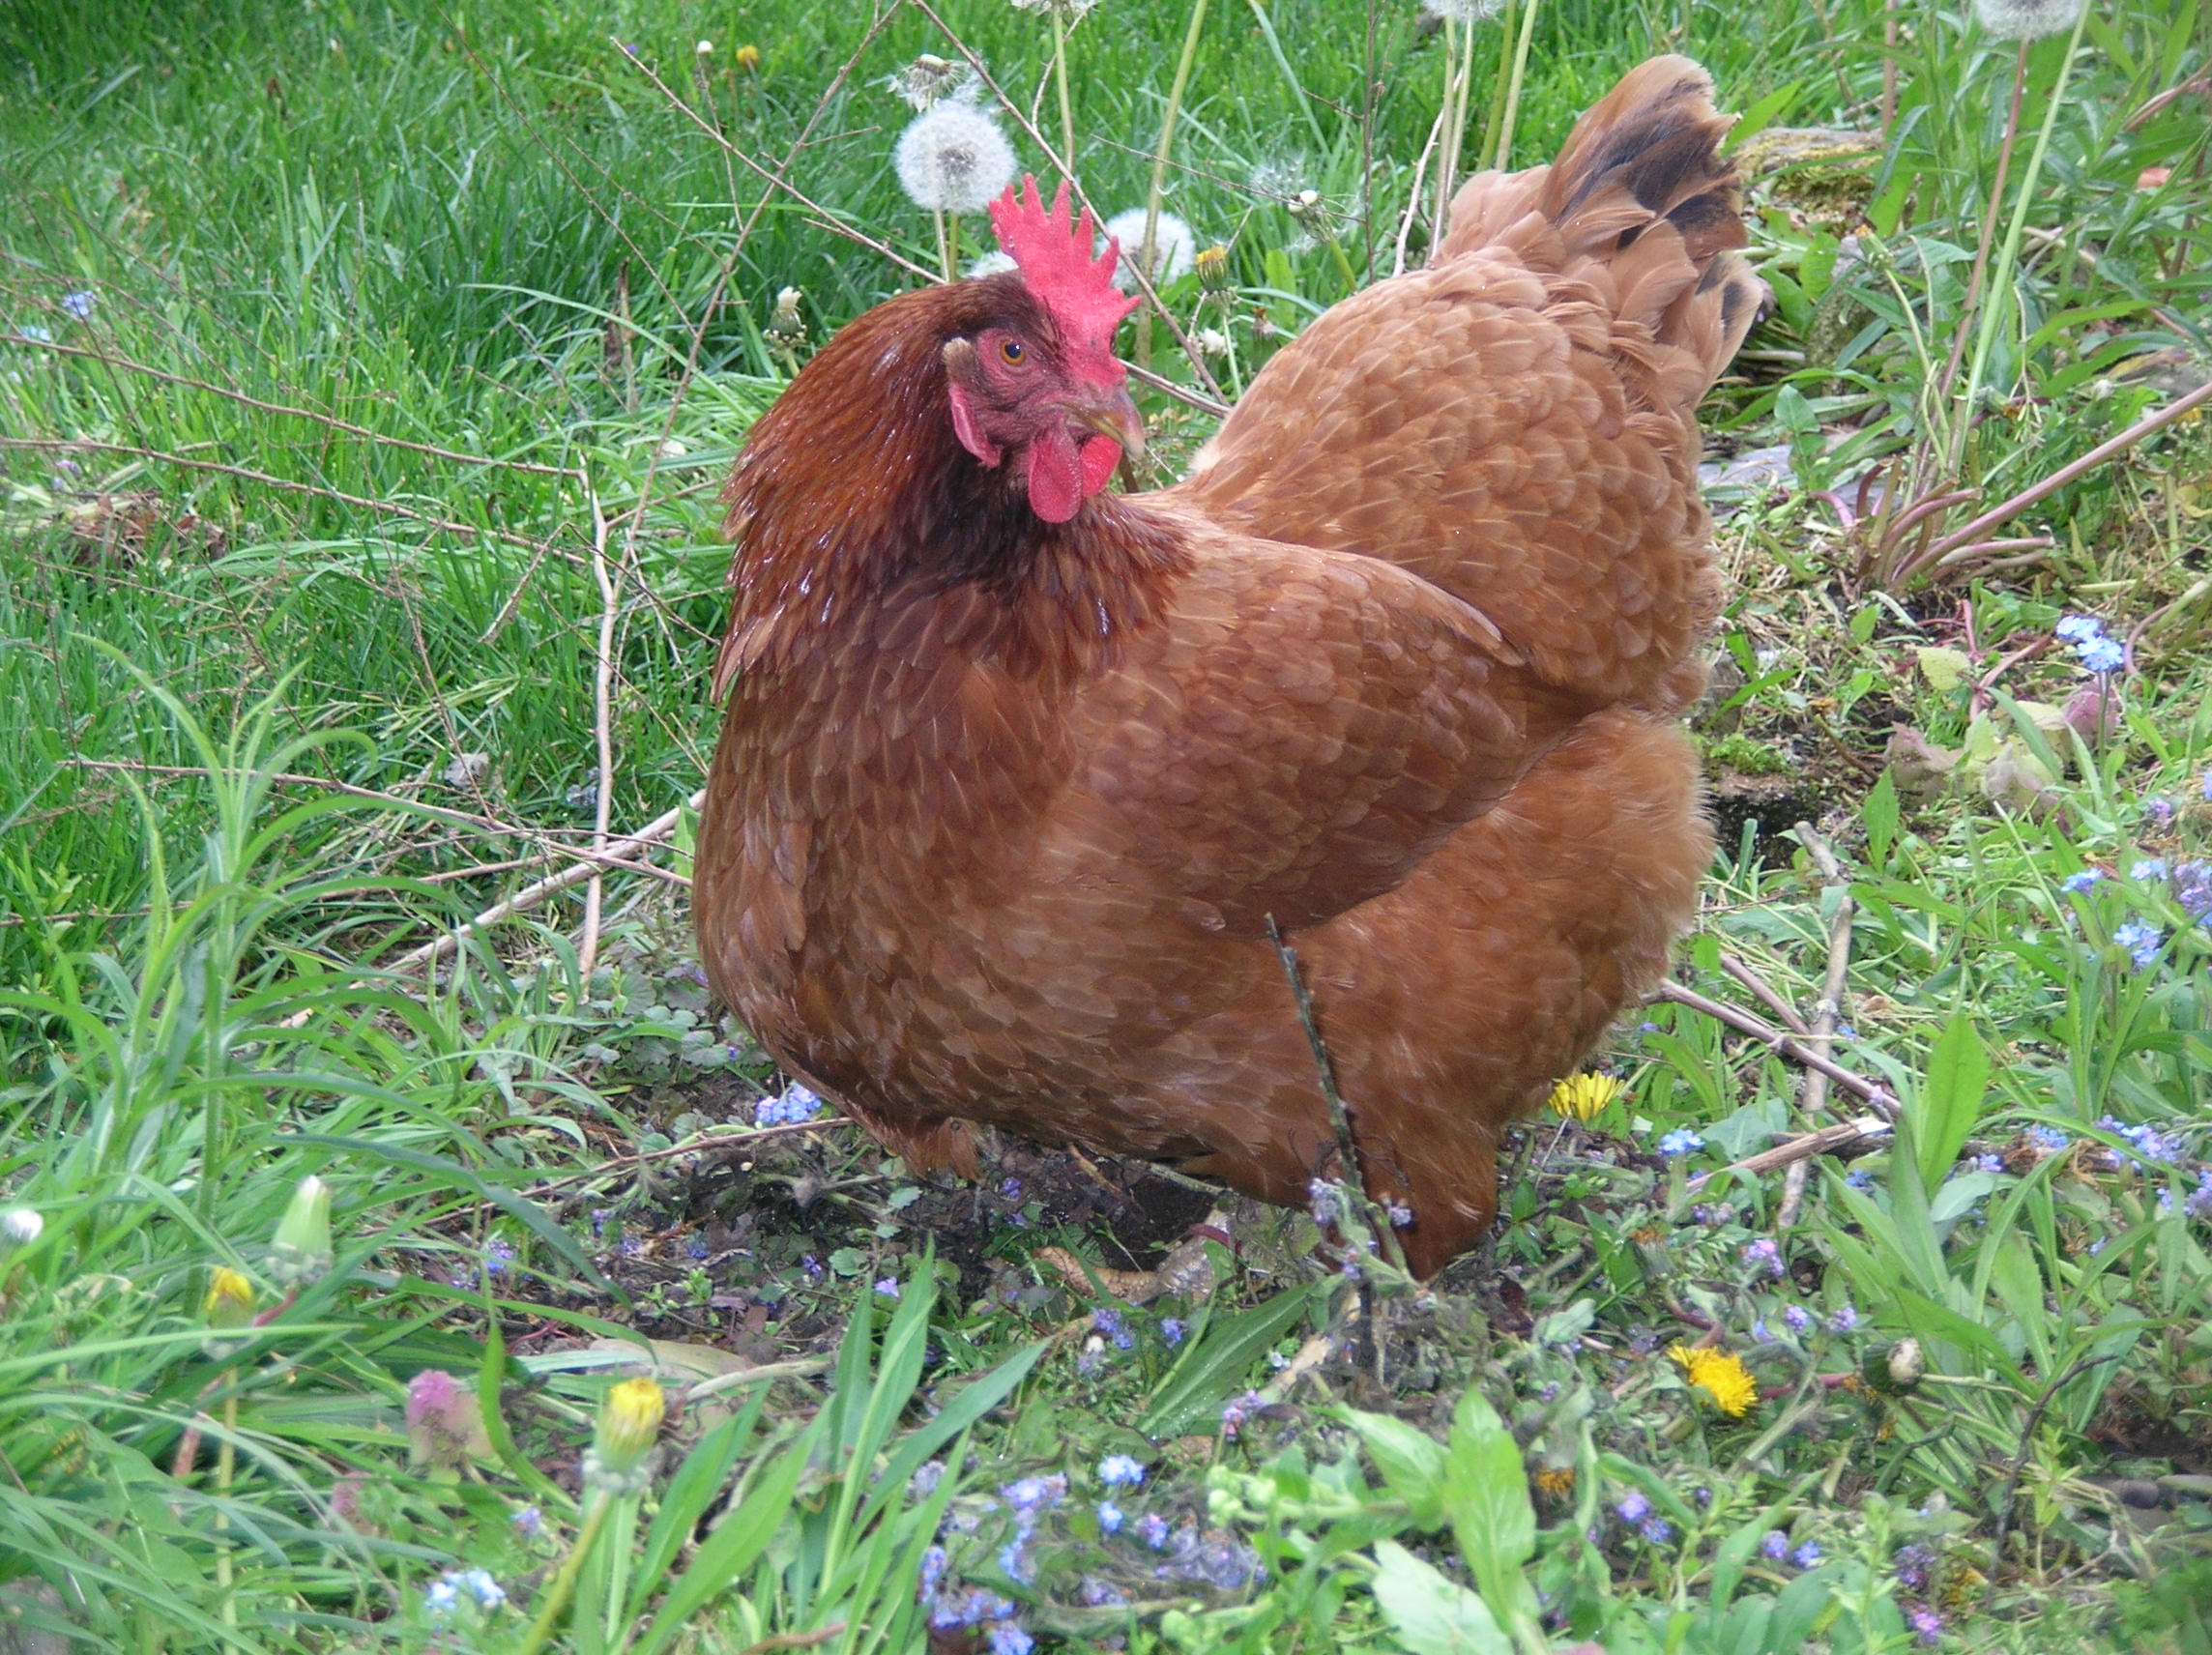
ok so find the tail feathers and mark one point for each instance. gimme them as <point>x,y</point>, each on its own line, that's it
<point>1642,203</point>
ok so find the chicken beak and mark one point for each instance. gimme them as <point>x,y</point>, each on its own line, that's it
<point>1113,416</point>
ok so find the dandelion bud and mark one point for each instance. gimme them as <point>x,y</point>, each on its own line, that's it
<point>747,58</point>
<point>302,1250</point>
<point>445,1422</point>
<point>1213,267</point>
<point>227,1307</point>
<point>2027,20</point>
<point>629,1420</point>
<point>1896,1367</point>
<point>705,49</point>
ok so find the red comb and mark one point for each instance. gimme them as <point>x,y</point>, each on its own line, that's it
<point>1054,256</point>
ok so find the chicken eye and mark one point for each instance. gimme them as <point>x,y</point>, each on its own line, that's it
<point>1011,353</point>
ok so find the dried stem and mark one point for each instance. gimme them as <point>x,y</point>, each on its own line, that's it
<point>602,731</point>
<point>1827,1011</point>
<point>1946,550</point>
<point>1798,1152</point>
<point>1781,1042</point>
<point>617,851</point>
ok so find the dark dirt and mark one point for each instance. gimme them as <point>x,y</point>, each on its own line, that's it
<point>718,1244</point>
<point>1774,804</point>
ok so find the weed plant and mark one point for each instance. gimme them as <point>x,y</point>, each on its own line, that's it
<point>366,372</point>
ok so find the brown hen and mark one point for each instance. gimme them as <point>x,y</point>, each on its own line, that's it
<point>1015,771</point>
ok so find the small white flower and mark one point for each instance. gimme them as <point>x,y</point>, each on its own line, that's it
<point>20,1226</point>
<point>953,158</point>
<point>1463,10</point>
<point>2027,20</point>
<point>931,79</point>
<point>1174,247</point>
<point>1211,342</point>
<point>992,262</point>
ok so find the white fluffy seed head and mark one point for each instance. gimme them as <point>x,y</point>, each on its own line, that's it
<point>1174,247</point>
<point>1463,10</point>
<point>931,79</point>
<point>992,262</point>
<point>953,158</point>
<point>20,1225</point>
<point>2027,20</point>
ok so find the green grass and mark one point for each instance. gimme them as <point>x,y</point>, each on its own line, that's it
<point>301,619</point>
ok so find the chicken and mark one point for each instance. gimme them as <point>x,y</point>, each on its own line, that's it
<point>1015,771</point>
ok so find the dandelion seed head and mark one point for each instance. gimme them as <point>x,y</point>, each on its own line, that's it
<point>2027,20</point>
<point>953,158</point>
<point>1175,250</point>
<point>992,262</point>
<point>1462,10</point>
<point>930,81</point>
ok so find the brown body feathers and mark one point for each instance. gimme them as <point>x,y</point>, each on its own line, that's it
<point>1001,806</point>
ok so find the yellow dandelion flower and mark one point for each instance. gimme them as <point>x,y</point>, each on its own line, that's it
<point>747,58</point>
<point>1727,1382</point>
<point>1555,1482</point>
<point>1583,1096</point>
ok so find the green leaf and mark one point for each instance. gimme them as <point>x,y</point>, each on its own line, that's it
<point>1411,1463</point>
<point>697,1481</point>
<point>1432,1616</point>
<point>1880,814</point>
<point>1950,1099</point>
<point>1232,1343</point>
<point>1486,1496</point>
<point>737,1542</point>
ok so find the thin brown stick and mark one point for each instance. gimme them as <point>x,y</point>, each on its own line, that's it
<point>1828,1010</point>
<point>695,1146</point>
<point>1944,551</point>
<point>1782,1044</point>
<point>622,849</point>
<point>321,491</point>
<point>1764,992</point>
<point>777,180</point>
<point>602,733</point>
<point>475,819</point>
<point>1798,1152</point>
<point>331,420</point>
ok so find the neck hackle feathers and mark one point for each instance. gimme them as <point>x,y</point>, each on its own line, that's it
<point>1053,251</point>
